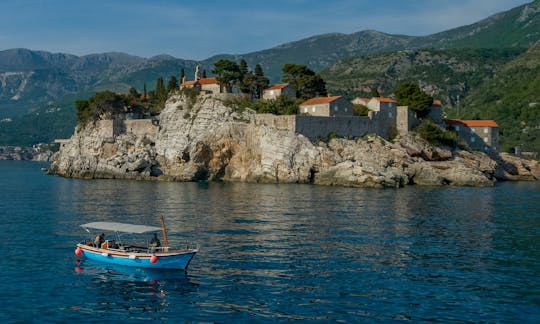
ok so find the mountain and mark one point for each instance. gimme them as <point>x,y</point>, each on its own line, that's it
<point>29,79</point>
<point>516,28</point>
<point>447,75</point>
<point>31,82</point>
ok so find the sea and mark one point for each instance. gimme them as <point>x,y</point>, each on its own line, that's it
<point>272,252</point>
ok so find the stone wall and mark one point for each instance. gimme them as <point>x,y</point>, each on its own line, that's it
<point>106,128</point>
<point>141,127</point>
<point>406,120</point>
<point>315,127</point>
<point>284,122</point>
<point>320,127</point>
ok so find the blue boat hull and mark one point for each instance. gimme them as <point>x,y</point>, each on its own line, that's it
<point>179,261</point>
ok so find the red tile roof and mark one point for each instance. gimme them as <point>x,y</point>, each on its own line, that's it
<point>473,123</point>
<point>437,103</point>
<point>385,99</point>
<point>320,100</point>
<point>208,81</point>
<point>277,86</point>
<point>201,81</point>
<point>190,83</point>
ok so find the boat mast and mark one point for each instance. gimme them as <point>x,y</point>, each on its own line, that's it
<point>164,232</point>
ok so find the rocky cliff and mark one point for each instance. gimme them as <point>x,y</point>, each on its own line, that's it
<point>205,140</point>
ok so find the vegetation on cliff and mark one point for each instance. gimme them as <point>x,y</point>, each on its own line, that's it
<point>512,98</point>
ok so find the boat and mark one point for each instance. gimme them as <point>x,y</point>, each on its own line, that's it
<point>143,256</point>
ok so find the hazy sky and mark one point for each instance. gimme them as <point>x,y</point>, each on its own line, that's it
<point>200,29</point>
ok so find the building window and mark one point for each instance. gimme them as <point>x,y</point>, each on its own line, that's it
<point>271,92</point>
<point>313,109</point>
<point>335,108</point>
<point>457,128</point>
<point>346,109</point>
<point>473,131</point>
<point>485,148</point>
<point>485,139</point>
<point>305,109</point>
<point>486,130</point>
<point>473,139</point>
<point>389,115</point>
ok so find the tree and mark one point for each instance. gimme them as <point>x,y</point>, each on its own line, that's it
<point>203,74</point>
<point>410,94</point>
<point>246,83</point>
<point>227,72</point>
<point>173,84</point>
<point>145,93</point>
<point>84,112</point>
<point>105,104</point>
<point>374,92</point>
<point>134,94</point>
<point>243,66</point>
<point>307,83</point>
<point>282,105</point>
<point>161,92</point>
<point>262,82</point>
<point>182,75</point>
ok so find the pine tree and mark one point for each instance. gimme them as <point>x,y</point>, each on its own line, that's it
<point>145,93</point>
<point>160,88</point>
<point>410,94</point>
<point>307,83</point>
<point>243,67</point>
<point>262,82</point>
<point>172,85</point>
<point>227,73</point>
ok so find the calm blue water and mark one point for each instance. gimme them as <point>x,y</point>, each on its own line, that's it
<point>273,252</point>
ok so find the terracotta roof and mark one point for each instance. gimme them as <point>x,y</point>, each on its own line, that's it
<point>380,99</point>
<point>208,81</point>
<point>437,103</point>
<point>190,83</point>
<point>473,123</point>
<point>277,86</point>
<point>320,100</point>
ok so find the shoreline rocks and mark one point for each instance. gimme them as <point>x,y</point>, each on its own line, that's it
<point>205,140</point>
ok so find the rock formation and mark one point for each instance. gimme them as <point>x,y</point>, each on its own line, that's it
<point>204,139</point>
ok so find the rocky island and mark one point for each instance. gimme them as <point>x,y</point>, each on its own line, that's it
<point>205,139</point>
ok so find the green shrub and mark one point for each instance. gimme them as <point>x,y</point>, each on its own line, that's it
<point>282,105</point>
<point>360,110</point>
<point>434,134</point>
<point>238,103</point>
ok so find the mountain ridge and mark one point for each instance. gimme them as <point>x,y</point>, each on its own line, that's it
<point>30,81</point>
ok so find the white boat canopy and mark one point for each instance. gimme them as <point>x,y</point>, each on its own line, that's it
<point>121,227</point>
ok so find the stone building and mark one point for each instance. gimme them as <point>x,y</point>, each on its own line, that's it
<point>482,135</point>
<point>380,104</point>
<point>327,107</point>
<point>277,90</point>
<point>435,112</point>
<point>205,85</point>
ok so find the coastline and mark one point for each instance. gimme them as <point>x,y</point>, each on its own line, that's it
<point>208,141</point>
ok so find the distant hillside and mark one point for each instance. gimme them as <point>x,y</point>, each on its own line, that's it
<point>447,75</point>
<point>518,27</point>
<point>512,98</point>
<point>30,79</point>
<point>33,81</point>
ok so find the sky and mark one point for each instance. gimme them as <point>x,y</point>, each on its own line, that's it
<point>200,29</point>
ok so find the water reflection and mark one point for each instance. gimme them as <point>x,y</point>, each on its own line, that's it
<point>136,292</point>
<point>314,253</point>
